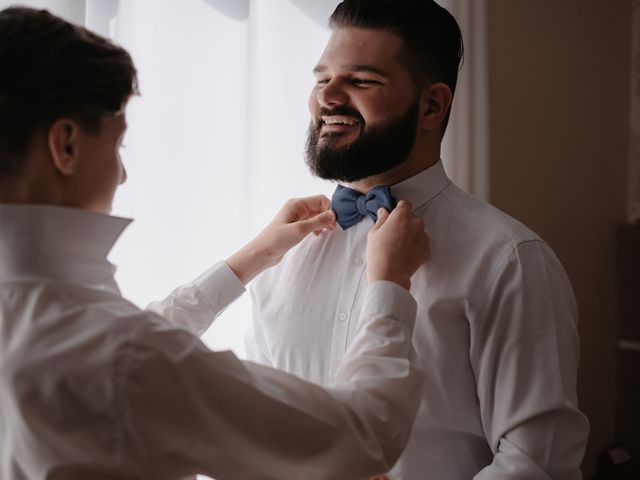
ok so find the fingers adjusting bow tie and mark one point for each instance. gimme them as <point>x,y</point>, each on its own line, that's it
<point>351,206</point>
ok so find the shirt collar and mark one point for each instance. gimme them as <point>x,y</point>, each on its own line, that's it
<point>423,186</point>
<point>59,243</point>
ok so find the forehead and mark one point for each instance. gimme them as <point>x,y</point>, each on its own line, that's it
<point>349,46</point>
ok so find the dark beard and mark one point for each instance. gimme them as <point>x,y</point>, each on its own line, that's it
<point>377,149</point>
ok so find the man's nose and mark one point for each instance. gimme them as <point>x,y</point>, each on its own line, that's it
<point>332,94</point>
<point>123,174</point>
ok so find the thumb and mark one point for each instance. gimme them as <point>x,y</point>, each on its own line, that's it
<point>320,221</point>
<point>382,218</point>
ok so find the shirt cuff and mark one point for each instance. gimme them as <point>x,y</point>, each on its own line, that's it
<point>389,299</point>
<point>220,285</point>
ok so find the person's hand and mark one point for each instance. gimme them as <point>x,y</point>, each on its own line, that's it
<point>397,246</point>
<point>295,220</point>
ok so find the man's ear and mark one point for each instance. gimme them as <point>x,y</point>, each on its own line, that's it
<point>435,103</point>
<point>63,140</point>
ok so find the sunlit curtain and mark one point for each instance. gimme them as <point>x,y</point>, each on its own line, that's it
<point>217,136</point>
<point>215,142</point>
<point>634,146</point>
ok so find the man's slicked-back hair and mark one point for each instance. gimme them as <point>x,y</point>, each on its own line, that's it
<point>53,69</point>
<point>432,46</point>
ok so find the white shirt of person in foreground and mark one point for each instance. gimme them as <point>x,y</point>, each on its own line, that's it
<point>92,387</point>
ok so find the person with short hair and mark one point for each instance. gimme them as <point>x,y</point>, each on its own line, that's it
<point>496,324</point>
<point>91,386</point>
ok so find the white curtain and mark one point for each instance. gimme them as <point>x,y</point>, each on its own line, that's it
<point>217,137</point>
<point>215,142</point>
<point>634,145</point>
<point>71,10</point>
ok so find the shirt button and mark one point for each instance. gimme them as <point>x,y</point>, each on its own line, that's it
<point>357,261</point>
<point>342,317</point>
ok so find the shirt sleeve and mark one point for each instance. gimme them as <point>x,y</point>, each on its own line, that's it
<point>196,305</point>
<point>190,410</point>
<point>525,357</point>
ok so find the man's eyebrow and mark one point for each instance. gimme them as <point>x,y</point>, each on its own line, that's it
<point>369,68</point>
<point>355,68</point>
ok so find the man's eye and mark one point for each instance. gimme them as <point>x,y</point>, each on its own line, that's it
<point>364,82</point>
<point>322,81</point>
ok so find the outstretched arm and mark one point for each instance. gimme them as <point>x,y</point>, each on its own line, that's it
<point>196,305</point>
<point>233,419</point>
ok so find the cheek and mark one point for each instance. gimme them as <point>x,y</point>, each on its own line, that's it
<point>112,170</point>
<point>313,104</point>
<point>379,107</point>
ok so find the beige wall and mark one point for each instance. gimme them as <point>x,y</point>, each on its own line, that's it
<point>559,94</point>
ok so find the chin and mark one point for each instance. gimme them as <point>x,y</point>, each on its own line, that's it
<point>104,209</point>
<point>335,141</point>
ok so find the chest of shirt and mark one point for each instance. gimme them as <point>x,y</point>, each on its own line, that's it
<point>309,308</point>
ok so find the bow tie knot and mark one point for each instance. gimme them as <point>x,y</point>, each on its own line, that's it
<point>351,206</point>
<point>361,205</point>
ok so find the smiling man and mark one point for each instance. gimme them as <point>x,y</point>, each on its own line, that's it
<point>496,326</point>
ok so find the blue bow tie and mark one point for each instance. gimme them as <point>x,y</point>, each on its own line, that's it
<point>351,206</point>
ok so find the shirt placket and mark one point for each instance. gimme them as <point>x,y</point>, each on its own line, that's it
<point>346,313</point>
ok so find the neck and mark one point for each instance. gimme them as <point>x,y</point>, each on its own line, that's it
<point>417,161</point>
<point>34,184</point>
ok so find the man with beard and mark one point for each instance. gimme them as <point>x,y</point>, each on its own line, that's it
<point>496,325</point>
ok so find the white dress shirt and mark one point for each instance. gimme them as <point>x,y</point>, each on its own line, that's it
<point>495,331</point>
<point>92,387</point>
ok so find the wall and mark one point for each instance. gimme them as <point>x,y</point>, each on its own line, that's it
<point>559,95</point>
